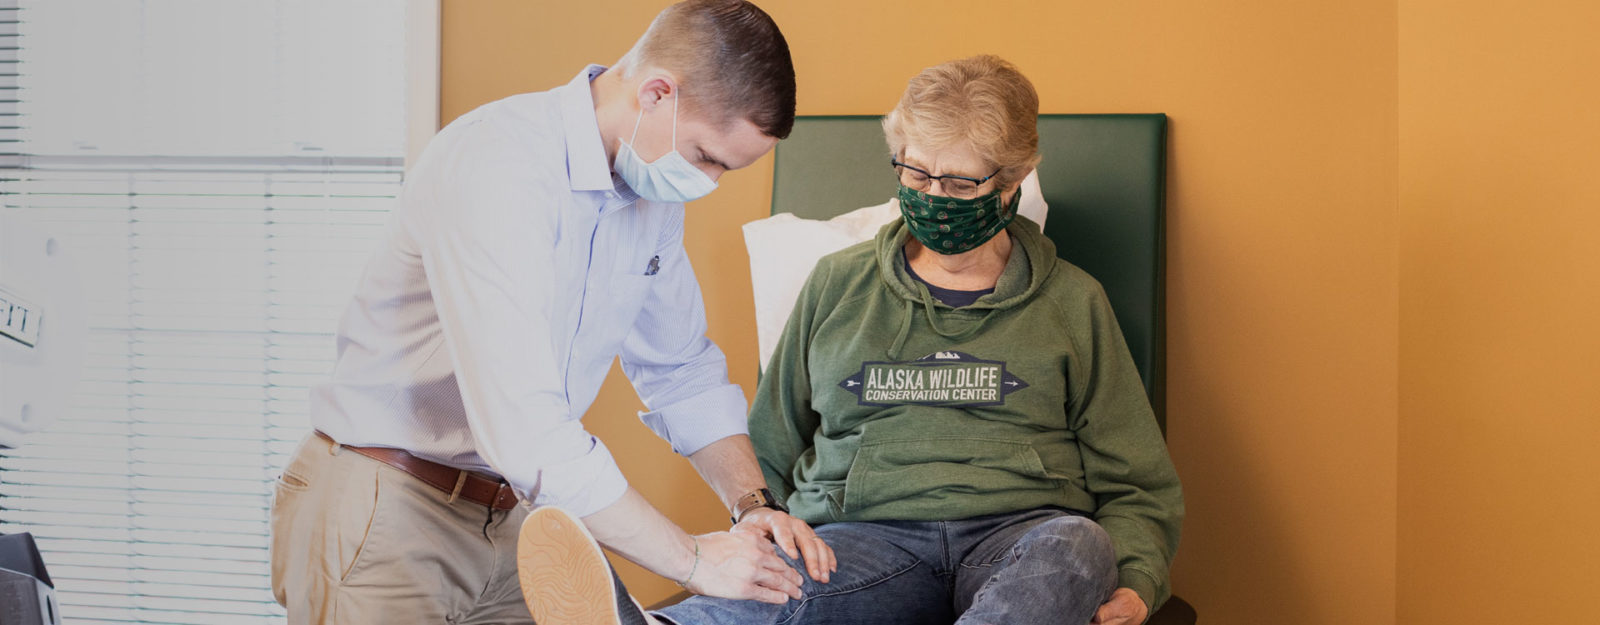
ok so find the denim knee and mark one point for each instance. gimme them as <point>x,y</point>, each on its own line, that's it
<point>1075,541</point>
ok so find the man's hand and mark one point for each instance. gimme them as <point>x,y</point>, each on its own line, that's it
<point>1123,608</point>
<point>794,537</point>
<point>742,565</point>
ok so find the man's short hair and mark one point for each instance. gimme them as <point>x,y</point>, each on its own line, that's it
<point>729,57</point>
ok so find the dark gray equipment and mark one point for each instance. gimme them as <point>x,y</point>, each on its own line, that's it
<point>27,597</point>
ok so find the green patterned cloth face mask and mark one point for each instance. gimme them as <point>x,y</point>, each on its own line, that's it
<point>949,225</point>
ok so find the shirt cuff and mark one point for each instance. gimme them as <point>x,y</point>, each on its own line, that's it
<point>691,424</point>
<point>582,486</point>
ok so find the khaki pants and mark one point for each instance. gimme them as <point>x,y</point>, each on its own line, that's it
<point>357,541</point>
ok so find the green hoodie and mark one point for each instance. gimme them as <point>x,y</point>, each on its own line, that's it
<point>882,404</point>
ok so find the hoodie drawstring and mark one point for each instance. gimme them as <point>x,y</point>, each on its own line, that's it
<point>927,302</point>
<point>905,331</point>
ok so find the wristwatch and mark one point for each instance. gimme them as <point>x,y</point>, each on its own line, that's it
<point>762,498</point>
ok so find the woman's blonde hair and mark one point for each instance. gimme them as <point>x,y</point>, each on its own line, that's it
<point>981,102</point>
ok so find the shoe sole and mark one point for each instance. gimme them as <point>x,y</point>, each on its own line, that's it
<point>565,577</point>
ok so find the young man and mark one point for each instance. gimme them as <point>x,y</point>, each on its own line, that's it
<point>538,238</point>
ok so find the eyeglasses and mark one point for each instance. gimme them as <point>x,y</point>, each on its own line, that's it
<point>955,186</point>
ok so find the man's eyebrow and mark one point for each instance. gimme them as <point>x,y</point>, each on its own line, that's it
<point>713,160</point>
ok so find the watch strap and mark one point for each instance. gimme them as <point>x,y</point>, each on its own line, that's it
<point>760,498</point>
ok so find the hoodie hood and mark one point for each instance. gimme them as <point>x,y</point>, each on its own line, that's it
<point>1033,258</point>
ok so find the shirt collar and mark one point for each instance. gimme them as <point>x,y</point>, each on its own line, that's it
<point>587,168</point>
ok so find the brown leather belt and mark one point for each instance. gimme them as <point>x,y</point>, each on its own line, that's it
<point>474,487</point>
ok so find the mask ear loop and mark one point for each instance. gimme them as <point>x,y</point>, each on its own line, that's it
<point>674,122</point>
<point>632,141</point>
<point>636,121</point>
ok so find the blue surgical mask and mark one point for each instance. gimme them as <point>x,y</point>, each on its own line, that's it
<point>672,178</point>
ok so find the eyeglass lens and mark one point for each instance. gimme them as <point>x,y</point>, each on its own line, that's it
<point>920,181</point>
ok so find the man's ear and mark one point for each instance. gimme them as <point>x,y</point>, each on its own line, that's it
<point>658,85</point>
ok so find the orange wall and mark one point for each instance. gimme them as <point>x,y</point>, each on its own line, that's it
<point>1500,346</point>
<point>1283,302</point>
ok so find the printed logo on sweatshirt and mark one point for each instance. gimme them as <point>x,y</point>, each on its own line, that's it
<point>938,379</point>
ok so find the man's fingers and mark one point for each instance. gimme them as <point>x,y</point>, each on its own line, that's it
<point>786,584</point>
<point>767,595</point>
<point>771,563</point>
<point>793,576</point>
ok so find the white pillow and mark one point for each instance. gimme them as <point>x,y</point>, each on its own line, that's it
<point>784,248</point>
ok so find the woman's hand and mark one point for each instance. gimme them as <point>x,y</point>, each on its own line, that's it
<point>794,537</point>
<point>1123,608</point>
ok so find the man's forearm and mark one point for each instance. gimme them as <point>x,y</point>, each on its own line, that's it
<point>637,531</point>
<point>729,467</point>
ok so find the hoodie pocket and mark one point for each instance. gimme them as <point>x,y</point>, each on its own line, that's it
<point>889,471</point>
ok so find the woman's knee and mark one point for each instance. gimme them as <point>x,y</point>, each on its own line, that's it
<point>1073,539</point>
<point>863,557</point>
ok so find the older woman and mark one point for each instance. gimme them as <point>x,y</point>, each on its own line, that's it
<point>953,408</point>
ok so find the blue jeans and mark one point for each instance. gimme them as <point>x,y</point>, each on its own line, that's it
<point>1045,566</point>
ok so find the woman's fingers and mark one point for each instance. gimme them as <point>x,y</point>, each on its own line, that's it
<point>784,538</point>
<point>814,558</point>
<point>830,559</point>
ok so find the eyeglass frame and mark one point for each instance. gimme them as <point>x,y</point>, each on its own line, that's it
<point>977,182</point>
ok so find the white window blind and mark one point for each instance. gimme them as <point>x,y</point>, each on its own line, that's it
<point>220,170</point>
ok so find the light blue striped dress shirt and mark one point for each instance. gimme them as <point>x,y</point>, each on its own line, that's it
<point>516,266</point>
